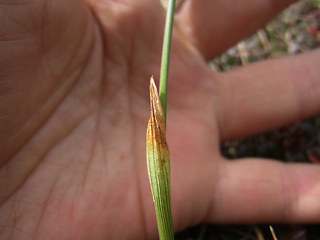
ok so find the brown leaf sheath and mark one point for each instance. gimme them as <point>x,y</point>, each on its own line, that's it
<point>156,131</point>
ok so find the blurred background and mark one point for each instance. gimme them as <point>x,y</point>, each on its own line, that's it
<point>295,30</point>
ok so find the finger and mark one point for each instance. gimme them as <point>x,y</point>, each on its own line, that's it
<point>269,94</point>
<point>214,25</point>
<point>266,191</point>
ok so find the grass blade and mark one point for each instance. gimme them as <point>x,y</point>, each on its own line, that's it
<point>164,71</point>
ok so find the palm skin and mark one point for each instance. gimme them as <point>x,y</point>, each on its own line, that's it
<point>74,107</point>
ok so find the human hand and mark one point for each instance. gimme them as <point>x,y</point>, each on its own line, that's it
<point>74,81</point>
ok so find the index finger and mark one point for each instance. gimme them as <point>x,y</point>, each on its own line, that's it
<point>215,25</point>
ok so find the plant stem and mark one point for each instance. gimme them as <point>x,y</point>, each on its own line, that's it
<point>164,71</point>
<point>158,159</point>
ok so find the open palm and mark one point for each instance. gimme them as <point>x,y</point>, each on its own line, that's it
<point>74,107</point>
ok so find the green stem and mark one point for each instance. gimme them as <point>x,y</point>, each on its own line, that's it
<point>158,159</point>
<point>164,72</point>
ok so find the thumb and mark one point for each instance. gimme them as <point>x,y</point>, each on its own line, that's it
<point>40,42</point>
